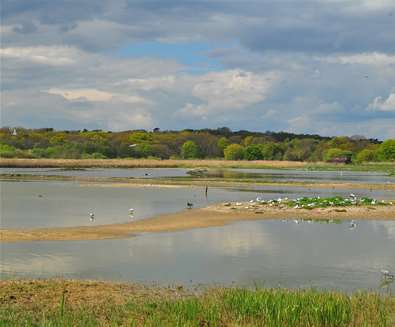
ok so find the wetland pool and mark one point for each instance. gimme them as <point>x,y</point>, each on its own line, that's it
<point>267,253</point>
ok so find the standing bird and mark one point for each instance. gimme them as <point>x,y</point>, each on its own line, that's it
<point>189,205</point>
<point>352,225</point>
<point>387,275</point>
<point>92,216</point>
<point>131,212</point>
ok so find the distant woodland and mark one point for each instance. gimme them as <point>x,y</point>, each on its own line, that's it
<point>190,144</point>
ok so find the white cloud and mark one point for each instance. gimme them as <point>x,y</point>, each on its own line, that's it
<point>229,90</point>
<point>381,104</point>
<point>90,95</point>
<point>47,55</point>
<point>120,118</point>
<point>93,95</point>
<point>373,58</point>
<point>153,83</point>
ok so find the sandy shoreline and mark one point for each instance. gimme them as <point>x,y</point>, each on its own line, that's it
<point>215,215</point>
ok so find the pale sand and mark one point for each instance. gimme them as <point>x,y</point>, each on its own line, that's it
<point>215,215</point>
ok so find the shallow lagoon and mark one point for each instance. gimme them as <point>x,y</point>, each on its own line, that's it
<point>279,175</point>
<point>266,253</point>
<point>269,253</point>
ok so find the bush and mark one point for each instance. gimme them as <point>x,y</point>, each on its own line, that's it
<point>337,153</point>
<point>234,152</point>
<point>7,151</point>
<point>366,155</point>
<point>190,150</point>
<point>39,153</point>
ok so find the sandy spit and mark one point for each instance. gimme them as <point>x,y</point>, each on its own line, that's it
<point>215,215</point>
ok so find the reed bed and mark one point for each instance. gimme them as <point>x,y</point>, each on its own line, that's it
<point>147,163</point>
<point>141,306</point>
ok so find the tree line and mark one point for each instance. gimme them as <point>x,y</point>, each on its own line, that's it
<point>190,144</point>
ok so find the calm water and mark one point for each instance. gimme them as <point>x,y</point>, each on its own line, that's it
<point>101,172</point>
<point>59,203</point>
<point>263,174</point>
<point>301,175</point>
<point>271,253</point>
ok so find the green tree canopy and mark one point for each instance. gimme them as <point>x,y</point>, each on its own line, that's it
<point>190,150</point>
<point>234,152</point>
<point>222,143</point>
<point>253,152</point>
<point>387,150</point>
<point>366,155</point>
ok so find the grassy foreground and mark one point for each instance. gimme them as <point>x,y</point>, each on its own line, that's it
<point>88,303</point>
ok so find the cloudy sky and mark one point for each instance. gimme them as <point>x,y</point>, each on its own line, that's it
<point>309,66</point>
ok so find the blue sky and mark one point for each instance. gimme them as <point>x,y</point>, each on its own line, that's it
<point>304,66</point>
<point>191,54</point>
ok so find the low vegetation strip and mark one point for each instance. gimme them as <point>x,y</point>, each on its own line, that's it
<point>192,181</point>
<point>151,163</point>
<point>90,303</point>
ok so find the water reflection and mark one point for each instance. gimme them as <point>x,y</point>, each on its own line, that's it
<point>283,175</point>
<point>270,253</point>
<point>56,203</point>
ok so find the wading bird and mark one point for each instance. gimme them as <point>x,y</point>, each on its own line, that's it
<point>189,205</point>
<point>92,216</point>
<point>352,225</point>
<point>387,274</point>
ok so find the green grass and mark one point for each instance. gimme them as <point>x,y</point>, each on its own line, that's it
<point>318,202</point>
<point>215,307</point>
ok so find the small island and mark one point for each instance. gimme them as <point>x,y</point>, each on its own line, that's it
<point>306,208</point>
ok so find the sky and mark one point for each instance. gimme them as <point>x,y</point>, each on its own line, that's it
<point>302,66</point>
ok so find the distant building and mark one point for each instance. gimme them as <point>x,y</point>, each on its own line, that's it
<point>156,130</point>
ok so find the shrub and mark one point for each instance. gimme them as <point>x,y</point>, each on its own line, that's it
<point>7,151</point>
<point>366,155</point>
<point>337,153</point>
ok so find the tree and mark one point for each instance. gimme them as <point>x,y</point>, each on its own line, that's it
<point>222,143</point>
<point>234,152</point>
<point>272,151</point>
<point>387,150</point>
<point>253,152</point>
<point>190,150</point>
<point>366,155</point>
